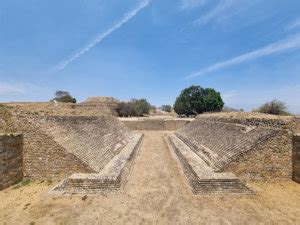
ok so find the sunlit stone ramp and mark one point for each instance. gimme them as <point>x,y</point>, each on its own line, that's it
<point>201,177</point>
<point>219,143</point>
<point>111,178</point>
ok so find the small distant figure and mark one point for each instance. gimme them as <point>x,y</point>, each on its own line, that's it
<point>55,103</point>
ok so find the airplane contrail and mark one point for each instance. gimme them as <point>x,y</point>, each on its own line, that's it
<point>285,45</point>
<point>101,36</point>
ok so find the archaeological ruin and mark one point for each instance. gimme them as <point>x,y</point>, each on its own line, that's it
<point>11,159</point>
<point>90,153</point>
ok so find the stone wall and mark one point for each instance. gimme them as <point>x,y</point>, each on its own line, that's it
<point>63,109</point>
<point>104,104</point>
<point>254,147</point>
<point>296,158</point>
<point>11,159</point>
<point>58,146</point>
<point>221,143</point>
<point>270,160</point>
<point>155,124</point>
<point>255,119</point>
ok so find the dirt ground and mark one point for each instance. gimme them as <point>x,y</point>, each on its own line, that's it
<point>156,193</point>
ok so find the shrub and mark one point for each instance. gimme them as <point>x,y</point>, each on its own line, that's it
<point>142,106</point>
<point>274,107</point>
<point>126,109</point>
<point>153,109</point>
<point>64,96</point>
<point>22,183</point>
<point>136,107</point>
<point>166,108</point>
<point>196,100</point>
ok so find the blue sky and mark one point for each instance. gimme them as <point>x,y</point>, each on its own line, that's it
<point>249,50</point>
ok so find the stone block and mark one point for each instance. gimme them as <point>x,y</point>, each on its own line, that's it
<point>11,160</point>
<point>296,158</point>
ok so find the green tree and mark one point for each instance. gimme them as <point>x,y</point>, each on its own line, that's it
<point>274,107</point>
<point>64,96</point>
<point>142,106</point>
<point>136,107</point>
<point>196,100</point>
<point>166,108</point>
<point>126,109</point>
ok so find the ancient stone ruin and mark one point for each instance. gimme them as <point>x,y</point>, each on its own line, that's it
<point>217,153</point>
<point>104,104</point>
<point>296,158</point>
<point>212,150</point>
<point>56,147</point>
<point>11,159</point>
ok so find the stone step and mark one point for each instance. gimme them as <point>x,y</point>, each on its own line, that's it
<point>201,177</point>
<point>113,176</point>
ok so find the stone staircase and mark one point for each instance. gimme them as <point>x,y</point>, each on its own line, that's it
<point>201,177</point>
<point>93,140</point>
<point>219,143</point>
<point>110,179</point>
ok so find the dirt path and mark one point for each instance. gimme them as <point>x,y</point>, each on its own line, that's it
<point>156,178</point>
<point>156,193</point>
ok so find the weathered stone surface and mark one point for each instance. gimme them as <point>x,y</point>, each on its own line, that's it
<point>253,149</point>
<point>154,124</point>
<point>112,177</point>
<point>107,104</point>
<point>58,146</point>
<point>11,159</point>
<point>201,177</point>
<point>296,158</point>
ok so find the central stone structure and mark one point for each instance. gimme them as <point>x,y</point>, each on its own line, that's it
<point>103,104</point>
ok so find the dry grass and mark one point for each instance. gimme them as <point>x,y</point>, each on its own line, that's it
<point>64,109</point>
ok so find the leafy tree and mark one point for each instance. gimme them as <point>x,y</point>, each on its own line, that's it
<point>61,94</point>
<point>136,107</point>
<point>166,108</point>
<point>64,96</point>
<point>196,100</point>
<point>126,109</point>
<point>274,107</point>
<point>142,106</point>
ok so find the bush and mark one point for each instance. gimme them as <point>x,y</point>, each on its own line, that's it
<point>126,109</point>
<point>64,96</point>
<point>274,107</point>
<point>142,106</point>
<point>136,107</point>
<point>66,99</point>
<point>166,108</point>
<point>196,100</point>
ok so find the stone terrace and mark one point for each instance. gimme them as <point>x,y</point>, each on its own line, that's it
<point>201,177</point>
<point>219,143</point>
<point>113,177</point>
<point>94,140</point>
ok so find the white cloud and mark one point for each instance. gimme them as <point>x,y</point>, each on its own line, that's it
<point>295,24</point>
<point>12,88</point>
<point>289,44</point>
<point>101,36</point>
<point>189,4</point>
<point>220,8</point>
